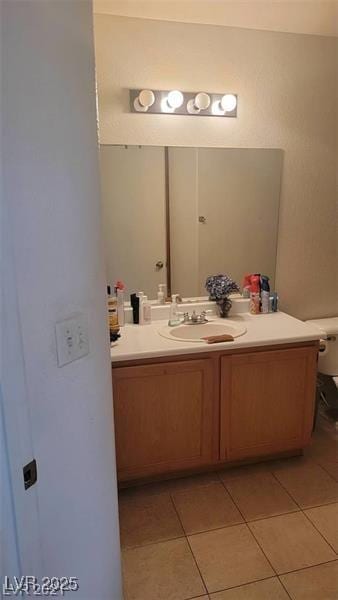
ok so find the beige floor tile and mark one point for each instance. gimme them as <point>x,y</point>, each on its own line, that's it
<point>330,467</point>
<point>205,508</point>
<point>260,495</point>
<point>229,557</point>
<point>164,571</point>
<point>146,520</point>
<point>325,518</point>
<point>269,589</point>
<point>171,485</point>
<point>324,442</point>
<point>307,483</point>
<point>290,542</point>
<point>235,472</point>
<point>317,583</point>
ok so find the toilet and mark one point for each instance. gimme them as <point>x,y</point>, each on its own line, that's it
<point>328,358</point>
<point>328,364</point>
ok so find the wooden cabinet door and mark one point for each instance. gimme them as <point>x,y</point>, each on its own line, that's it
<point>267,401</point>
<point>165,417</point>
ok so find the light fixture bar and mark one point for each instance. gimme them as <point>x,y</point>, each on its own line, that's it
<point>176,102</point>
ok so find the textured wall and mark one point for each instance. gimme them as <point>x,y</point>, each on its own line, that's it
<point>52,196</point>
<point>301,16</point>
<point>286,87</point>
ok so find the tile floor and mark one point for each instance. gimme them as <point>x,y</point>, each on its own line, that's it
<point>261,532</point>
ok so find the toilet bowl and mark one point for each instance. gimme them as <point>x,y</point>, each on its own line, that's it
<point>328,358</point>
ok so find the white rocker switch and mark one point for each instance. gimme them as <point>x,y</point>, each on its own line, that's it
<point>72,340</point>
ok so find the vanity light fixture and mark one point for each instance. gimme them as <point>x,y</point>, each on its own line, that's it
<point>175,102</point>
<point>228,103</point>
<point>144,100</point>
<point>200,102</point>
<point>175,99</point>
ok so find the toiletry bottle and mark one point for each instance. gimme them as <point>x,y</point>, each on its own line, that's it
<point>140,310</point>
<point>255,297</point>
<point>265,293</point>
<point>161,293</point>
<point>112,310</point>
<point>174,318</point>
<point>119,290</point>
<point>146,310</point>
<point>246,286</point>
<point>274,302</point>
<point>135,304</point>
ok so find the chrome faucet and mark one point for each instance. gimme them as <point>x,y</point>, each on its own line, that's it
<point>195,319</point>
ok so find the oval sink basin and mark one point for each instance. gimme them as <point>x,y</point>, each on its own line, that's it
<point>196,333</point>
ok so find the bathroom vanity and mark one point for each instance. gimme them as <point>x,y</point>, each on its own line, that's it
<point>188,406</point>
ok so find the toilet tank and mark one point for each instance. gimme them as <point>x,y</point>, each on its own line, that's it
<point>328,360</point>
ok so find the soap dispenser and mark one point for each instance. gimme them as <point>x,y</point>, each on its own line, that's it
<point>174,317</point>
<point>161,293</point>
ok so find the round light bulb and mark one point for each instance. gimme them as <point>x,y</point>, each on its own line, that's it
<point>175,99</point>
<point>229,102</point>
<point>146,98</point>
<point>202,101</point>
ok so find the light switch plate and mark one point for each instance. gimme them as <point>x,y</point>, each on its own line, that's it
<point>72,340</point>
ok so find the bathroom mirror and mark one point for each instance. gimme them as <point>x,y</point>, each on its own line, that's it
<point>175,215</point>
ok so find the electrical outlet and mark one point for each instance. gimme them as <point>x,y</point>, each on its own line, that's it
<point>71,339</point>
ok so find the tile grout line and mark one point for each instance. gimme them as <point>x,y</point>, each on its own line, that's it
<point>302,510</point>
<point>284,588</point>
<point>187,540</point>
<point>254,537</point>
<point>240,585</point>
<point>320,533</point>
<point>289,512</point>
<point>326,471</point>
<point>294,512</point>
<point>233,500</point>
<point>325,562</point>
<point>163,541</point>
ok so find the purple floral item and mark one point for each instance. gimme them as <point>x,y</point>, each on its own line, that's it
<point>219,287</point>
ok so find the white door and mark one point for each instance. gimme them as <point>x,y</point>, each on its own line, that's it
<point>133,200</point>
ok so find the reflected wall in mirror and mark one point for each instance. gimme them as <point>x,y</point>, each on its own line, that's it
<point>176,215</point>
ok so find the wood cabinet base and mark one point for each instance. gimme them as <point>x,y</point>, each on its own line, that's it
<point>204,412</point>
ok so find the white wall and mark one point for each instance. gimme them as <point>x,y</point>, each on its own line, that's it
<point>293,16</point>
<point>52,194</point>
<point>286,87</point>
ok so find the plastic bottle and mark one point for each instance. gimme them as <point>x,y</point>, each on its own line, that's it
<point>135,304</point>
<point>119,290</point>
<point>146,310</point>
<point>174,318</point>
<point>265,294</point>
<point>255,297</point>
<point>246,286</point>
<point>161,293</point>
<point>274,302</point>
<point>140,298</point>
<point>112,310</point>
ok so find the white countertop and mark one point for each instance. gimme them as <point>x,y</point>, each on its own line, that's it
<point>143,341</point>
